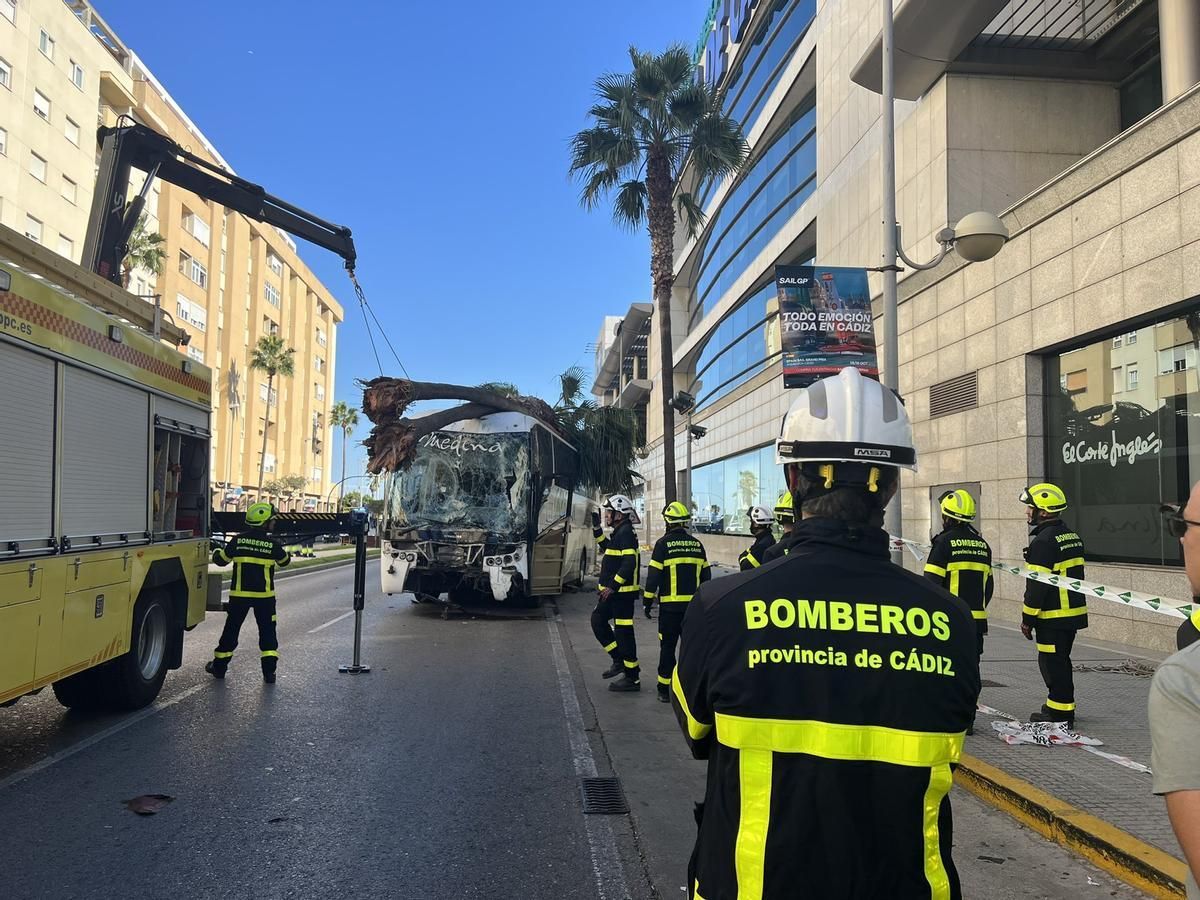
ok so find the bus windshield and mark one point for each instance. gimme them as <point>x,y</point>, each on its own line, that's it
<point>463,481</point>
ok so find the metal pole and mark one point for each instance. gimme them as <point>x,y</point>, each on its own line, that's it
<point>360,593</point>
<point>1179,36</point>
<point>688,499</point>
<point>891,342</point>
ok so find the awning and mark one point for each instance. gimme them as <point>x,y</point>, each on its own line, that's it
<point>636,317</point>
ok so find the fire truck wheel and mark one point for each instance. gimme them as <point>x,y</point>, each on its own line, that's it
<point>135,679</point>
<point>83,692</point>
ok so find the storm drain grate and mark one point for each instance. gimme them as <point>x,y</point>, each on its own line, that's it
<point>986,683</point>
<point>603,797</point>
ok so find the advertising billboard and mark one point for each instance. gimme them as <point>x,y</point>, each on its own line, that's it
<point>826,323</point>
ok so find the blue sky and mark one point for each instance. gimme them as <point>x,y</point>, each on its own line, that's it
<point>438,132</point>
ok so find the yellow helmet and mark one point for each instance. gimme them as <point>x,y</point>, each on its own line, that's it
<point>259,514</point>
<point>958,505</point>
<point>785,513</point>
<point>675,513</point>
<point>1046,497</point>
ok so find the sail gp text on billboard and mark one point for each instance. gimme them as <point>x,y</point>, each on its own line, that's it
<point>1114,452</point>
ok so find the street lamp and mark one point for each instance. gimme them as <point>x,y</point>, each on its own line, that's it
<point>977,237</point>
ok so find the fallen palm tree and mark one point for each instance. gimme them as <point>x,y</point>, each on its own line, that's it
<point>606,437</point>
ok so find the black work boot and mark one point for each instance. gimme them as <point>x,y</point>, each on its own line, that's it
<point>614,670</point>
<point>215,670</point>
<point>628,683</point>
<point>664,694</point>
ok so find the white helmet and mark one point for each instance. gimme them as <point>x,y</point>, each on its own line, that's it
<point>760,515</point>
<point>621,504</point>
<point>847,418</point>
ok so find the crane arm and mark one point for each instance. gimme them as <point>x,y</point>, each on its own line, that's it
<point>113,219</point>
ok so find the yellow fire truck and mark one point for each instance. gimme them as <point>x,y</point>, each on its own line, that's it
<point>104,446</point>
<point>104,480</point>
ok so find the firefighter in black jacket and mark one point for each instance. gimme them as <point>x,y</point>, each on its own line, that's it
<point>254,555</point>
<point>761,521</point>
<point>960,560</point>
<point>786,517</point>
<point>829,690</point>
<point>620,571</point>
<point>678,566</point>
<point>1054,614</point>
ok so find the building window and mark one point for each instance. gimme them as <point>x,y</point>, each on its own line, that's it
<point>8,9</point>
<point>70,190</point>
<point>319,391</point>
<point>724,491</point>
<point>195,353</point>
<point>1117,341</point>
<point>1131,339</point>
<point>319,365</point>
<point>41,105</point>
<point>71,130</point>
<point>37,167</point>
<point>3,142</point>
<point>270,326</point>
<point>274,264</point>
<point>269,462</point>
<point>77,74</point>
<point>193,269</point>
<point>46,44</point>
<point>321,339</point>
<point>315,474</point>
<point>271,293</point>
<point>262,393</point>
<point>1119,447</point>
<point>196,227</point>
<point>33,228</point>
<point>192,313</point>
<point>66,247</point>
<point>5,74</point>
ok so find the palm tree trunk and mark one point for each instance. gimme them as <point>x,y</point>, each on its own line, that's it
<point>386,399</point>
<point>262,463</point>
<point>662,241</point>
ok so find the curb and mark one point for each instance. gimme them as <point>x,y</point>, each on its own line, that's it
<point>1117,852</point>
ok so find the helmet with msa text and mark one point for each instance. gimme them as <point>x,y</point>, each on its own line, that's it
<point>761,516</point>
<point>622,505</point>
<point>846,430</point>
<point>675,513</point>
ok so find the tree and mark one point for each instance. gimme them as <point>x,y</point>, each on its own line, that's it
<point>648,124</point>
<point>145,251</point>
<point>345,417</point>
<point>605,436</point>
<point>272,356</point>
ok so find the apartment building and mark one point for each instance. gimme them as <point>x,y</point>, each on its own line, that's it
<point>227,280</point>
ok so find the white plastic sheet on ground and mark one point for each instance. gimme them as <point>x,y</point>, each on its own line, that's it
<point>1045,734</point>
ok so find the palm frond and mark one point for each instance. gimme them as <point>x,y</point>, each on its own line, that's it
<point>503,388</point>
<point>718,147</point>
<point>629,207</point>
<point>689,105</point>
<point>690,213</point>
<point>675,63</point>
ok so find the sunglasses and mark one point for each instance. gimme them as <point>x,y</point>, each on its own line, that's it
<point>1176,524</point>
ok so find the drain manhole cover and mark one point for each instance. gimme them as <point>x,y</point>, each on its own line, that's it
<point>603,796</point>
<point>988,683</point>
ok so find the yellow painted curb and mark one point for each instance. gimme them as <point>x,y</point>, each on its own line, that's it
<point>1119,853</point>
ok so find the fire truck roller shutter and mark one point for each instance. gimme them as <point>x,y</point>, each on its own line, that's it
<point>170,413</point>
<point>26,467</point>
<point>105,457</point>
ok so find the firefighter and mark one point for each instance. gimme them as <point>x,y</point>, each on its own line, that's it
<point>761,521</point>
<point>786,517</point>
<point>1053,614</point>
<point>254,554</point>
<point>960,560</point>
<point>619,584</point>
<point>830,691</point>
<point>678,566</point>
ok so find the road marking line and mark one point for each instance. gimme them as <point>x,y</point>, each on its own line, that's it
<point>331,622</point>
<point>96,738</point>
<point>602,844</point>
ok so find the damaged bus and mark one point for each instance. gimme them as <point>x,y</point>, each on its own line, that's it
<point>489,508</point>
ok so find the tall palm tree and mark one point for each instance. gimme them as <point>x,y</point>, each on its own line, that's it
<point>648,125</point>
<point>345,417</point>
<point>146,251</point>
<point>605,436</point>
<point>272,356</point>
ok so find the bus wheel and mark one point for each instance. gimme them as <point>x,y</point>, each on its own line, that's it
<point>136,678</point>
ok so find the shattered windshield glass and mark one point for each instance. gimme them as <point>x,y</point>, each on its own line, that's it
<point>464,481</point>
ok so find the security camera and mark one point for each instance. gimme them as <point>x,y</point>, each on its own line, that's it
<point>699,431</point>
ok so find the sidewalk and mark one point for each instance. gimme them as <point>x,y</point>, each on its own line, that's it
<point>661,780</point>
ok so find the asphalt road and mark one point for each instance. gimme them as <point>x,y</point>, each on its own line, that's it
<point>451,770</point>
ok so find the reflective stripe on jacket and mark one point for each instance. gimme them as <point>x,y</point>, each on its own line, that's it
<point>678,566</point>
<point>620,563</point>
<point>960,560</point>
<point>254,555</point>
<point>755,555</point>
<point>1054,549</point>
